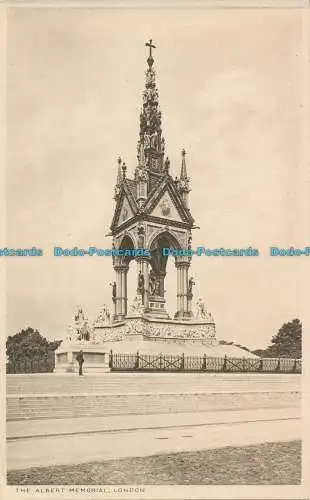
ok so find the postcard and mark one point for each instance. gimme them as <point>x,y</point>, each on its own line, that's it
<point>155,248</point>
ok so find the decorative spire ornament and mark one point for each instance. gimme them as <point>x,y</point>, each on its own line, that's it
<point>150,59</point>
<point>183,175</point>
<point>167,165</point>
<point>151,145</point>
<point>117,188</point>
<point>119,173</point>
<point>124,168</point>
<point>184,180</point>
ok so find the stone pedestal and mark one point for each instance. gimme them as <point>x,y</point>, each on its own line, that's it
<point>145,327</point>
<point>96,359</point>
<point>136,332</point>
<point>157,307</point>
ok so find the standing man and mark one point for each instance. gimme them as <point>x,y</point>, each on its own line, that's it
<point>80,360</point>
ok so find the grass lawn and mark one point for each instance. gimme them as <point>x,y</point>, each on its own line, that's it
<point>267,463</point>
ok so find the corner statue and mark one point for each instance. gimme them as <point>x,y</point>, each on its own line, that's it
<point>113,285</point>
<point>80,330</point>
<point>104,316</point>
<point>202,312</point>
<point>191,283</point>
<point>141,284</point>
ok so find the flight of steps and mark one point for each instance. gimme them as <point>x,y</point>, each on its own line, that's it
<point>38,396</point>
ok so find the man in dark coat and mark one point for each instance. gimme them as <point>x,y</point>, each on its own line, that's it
<point>80,360</point>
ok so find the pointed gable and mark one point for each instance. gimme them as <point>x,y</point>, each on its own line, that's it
<point>166,203</point>
<point>126,212</point>
<point>126,207</point>
<point>165,208</point>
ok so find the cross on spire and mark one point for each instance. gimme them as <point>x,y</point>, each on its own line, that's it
<point>151,46</point>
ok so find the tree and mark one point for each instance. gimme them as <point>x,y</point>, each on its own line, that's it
<point>287,342</point>
<point>54,344</point>
<point>27,344</point>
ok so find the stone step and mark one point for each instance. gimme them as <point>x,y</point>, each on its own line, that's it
<point>37,407</point>
<point>111,383</point>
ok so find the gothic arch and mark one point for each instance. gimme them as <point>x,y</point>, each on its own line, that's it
<point>126,243</point>
<point>165,234</point>
<point>158,261</point>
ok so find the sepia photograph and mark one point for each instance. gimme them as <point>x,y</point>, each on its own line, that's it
<point>154,252</point>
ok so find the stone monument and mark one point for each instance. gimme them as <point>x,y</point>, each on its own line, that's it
<point>151,213</point>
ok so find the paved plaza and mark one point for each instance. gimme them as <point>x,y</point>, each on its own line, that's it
<point>107,439</point>
<point>39,442</point>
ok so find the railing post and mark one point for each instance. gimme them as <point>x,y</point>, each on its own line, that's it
<point>182,361</point>
<point>294,366</point>
<point>260,368</point>
<point>225,364</point>
<point>204,362</point>
<point>160,361</point>
<point>111,360</point>
<point>137,361</point>
<point>278,368</point>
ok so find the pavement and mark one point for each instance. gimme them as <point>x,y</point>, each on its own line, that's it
<point>86,425</point>
<point>41,443</point>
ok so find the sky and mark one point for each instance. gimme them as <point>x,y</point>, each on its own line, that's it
<point>231,93</point>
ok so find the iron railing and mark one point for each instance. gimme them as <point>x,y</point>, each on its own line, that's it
<point>204,363</point>
<point>171,363</point>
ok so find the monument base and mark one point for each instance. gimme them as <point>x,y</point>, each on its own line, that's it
<point>143,327</point>
<point>146,335</point>
<point>96,359</point>
<point>138,332</point>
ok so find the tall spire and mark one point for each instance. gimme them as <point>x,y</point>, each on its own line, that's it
<point>183,175</point>
<point>183,183</point>
<point>151,145</point>
<point>118,179</point>
<point>119,171</point>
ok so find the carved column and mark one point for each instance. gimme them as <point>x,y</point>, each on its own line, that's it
<point>182,266</point>
<point>162,276</point>
<point>124,299</point>
<point>118,302</point>
<point>143,267</point>
<point>184,304</point>
<point>120,310</point>
<point>179,289</point>
<point>189,304</point>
